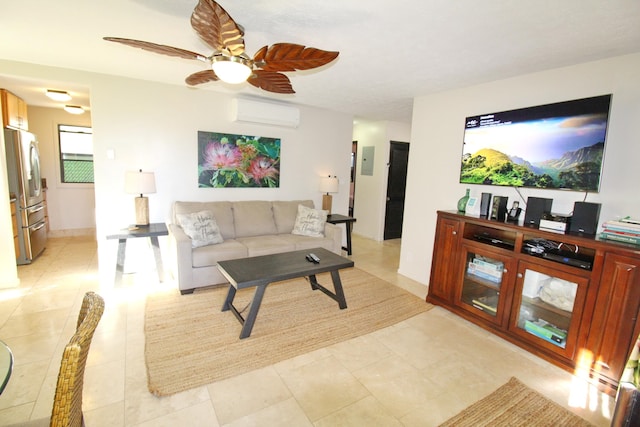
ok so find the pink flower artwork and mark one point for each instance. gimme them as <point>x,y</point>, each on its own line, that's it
<point>229,160</point>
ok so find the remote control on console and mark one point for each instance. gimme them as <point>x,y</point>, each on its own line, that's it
<point>313,258</point>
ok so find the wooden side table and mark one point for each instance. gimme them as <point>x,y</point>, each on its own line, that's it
<point>152,231</point>
<point>348,221</point>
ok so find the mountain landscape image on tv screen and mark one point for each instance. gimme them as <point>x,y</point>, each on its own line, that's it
<point>553,146</point>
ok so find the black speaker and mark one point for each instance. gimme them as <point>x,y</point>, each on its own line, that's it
<point>536,206</point>
<point>585,218</point>
<point>485,205</point>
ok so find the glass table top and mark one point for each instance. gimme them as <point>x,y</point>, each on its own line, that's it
<point>6,365</point>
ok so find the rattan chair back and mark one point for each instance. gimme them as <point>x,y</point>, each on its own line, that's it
<point>67,403</point>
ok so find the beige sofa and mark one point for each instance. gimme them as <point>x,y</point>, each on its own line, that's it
<point>249,228</point>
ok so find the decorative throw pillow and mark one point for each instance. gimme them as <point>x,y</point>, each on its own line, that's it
<point>201,227</point>
<point>309,222</point>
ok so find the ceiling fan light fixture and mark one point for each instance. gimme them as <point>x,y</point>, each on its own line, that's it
<point>73,109</point>
<point>229,61</point>
<point>231,69</point>
<point>58,95</point>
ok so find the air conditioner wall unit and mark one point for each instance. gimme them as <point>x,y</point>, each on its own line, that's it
<point>268,113</point>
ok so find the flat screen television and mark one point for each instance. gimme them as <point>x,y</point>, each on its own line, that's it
<point>552,146</point>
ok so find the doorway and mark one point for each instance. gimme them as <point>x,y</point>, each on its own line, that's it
<point>396,186</point>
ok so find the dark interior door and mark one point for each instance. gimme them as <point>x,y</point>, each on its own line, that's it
<point>352,186</point>
<point>396,184</point>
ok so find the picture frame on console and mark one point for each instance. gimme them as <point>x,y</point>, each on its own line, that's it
<point>514,212</point>
<point>473,206</point>
<point>499,208</point>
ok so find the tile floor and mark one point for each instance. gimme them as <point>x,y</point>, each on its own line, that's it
<point>416,373</point>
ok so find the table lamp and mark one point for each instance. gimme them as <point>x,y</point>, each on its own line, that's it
<point>328,185</point>
<point>140,183</point>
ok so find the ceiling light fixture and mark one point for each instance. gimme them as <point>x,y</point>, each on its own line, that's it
<point>231,69</point>
<point>58,95</point>
<point>73,109</point>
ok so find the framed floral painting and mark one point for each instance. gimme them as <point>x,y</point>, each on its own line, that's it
<point>229,160</point>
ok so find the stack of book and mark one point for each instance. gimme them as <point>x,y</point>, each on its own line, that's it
<point>625,230</point>
<point>486,269</point>
<point>546,331</point>
<point>487,303</point>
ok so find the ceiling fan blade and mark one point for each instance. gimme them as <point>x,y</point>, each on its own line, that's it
<point>291,57</point>
<point>158,48</point>
<point>216,27</point>
<point>200,77</point>
<point>271,81</point>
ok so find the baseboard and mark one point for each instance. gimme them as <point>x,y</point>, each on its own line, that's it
<point>72,232</point>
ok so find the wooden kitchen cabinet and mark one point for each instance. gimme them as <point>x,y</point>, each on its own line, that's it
<point>577,306</point>
<point>45,204</point>
<point>14,221</point>
<point>14,110</point>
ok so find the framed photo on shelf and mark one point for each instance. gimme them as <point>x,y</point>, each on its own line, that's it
<point>499,208</point>
<point>473,206</point>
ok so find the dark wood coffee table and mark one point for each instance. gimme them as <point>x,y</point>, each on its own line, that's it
<point>260,271</point>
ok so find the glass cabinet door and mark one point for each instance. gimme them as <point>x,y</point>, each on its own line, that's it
<point>482,279</point>
<point>548,307</point>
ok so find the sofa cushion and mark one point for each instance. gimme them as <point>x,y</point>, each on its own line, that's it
<point>201,227</point>
<point>306,242</point>
<point>309,222</point>
<point>285,212</point>
<point>265,245</point>
<point>253,218</point>
<point>206,256</point>
<point>222,212</point>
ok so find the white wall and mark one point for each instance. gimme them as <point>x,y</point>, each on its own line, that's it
<point>71,207</point>
<point>154,127</point>
<point>436,147</point>
<point>371,190</point>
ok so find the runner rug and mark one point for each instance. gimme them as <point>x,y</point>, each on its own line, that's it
<point>515,405</point>
<point>190,342</point>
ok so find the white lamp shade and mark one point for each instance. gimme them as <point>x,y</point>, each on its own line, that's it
<point>329,184</point>
<point>138,182</point>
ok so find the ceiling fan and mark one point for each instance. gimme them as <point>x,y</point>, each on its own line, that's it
<point>229,62</point>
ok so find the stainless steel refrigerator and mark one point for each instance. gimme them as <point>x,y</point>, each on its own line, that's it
<point>23,168</point>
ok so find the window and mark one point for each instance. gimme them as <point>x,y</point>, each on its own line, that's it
<point>76,154</point>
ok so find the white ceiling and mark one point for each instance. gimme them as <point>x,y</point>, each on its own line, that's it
<point>390,51</point>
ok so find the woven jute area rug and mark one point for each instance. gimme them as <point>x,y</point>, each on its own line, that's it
<point>190,342</point>
<point>514,404</point>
